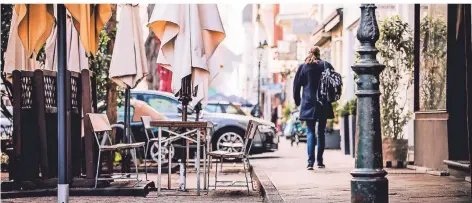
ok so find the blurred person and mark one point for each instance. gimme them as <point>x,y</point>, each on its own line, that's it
<point>312,109</point>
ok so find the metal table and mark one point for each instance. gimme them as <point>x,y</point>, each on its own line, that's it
<point>195,131</point>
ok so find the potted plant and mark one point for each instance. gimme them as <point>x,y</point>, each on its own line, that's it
<point>343,114</point>
<point>395,47</point>
<point>332,138</point>
<point>352,107</point>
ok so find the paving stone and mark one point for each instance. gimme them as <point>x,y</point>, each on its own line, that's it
<point>221,195</point>
<point>286,169</point>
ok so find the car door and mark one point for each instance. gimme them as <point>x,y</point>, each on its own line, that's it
<point>213,108</point>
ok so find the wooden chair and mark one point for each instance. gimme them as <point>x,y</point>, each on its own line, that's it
<point>251,131</point>
<point>101,129</point>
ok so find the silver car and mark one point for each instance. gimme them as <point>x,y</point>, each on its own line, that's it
<point>229,130</point>
<point>6,126</point>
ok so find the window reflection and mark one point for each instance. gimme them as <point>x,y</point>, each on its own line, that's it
<point>433,53</point>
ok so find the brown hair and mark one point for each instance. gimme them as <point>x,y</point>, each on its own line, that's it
<point>313,56</point>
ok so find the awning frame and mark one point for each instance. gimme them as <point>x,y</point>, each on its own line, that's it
<point>322,33</point>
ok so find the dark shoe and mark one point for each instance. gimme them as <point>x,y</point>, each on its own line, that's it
<point>321,166</point>
<point>309,167</point>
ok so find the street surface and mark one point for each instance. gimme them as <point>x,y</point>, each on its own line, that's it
<point>230,172</point>
<point>286,169</point>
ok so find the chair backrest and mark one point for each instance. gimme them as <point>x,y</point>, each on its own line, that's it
<point>251,131</point>
<point>99,122</point>
<point>147,126</point>
<point>100,125</point>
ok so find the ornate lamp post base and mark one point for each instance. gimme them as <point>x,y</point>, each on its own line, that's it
<point>368,189</point>
<point>368,183</point>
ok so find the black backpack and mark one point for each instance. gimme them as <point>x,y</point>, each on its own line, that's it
<point>330,87</point>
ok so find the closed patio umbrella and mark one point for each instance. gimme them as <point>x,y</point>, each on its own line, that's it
<point>35,23</point>
<point>89,20</point>
<point>76,58</point>
<point>128,64</point>
<point>31,25</point>
<point>189,35</point>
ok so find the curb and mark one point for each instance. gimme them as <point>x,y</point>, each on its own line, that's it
<point>425,170</point>
<point>266,188</point>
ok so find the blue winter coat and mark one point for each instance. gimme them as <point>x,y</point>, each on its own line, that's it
<point>308,76</point>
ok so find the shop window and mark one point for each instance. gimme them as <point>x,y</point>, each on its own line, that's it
<point>433,54</point>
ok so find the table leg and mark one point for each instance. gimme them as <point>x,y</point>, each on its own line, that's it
<point>159,164</point>
<point>187,157</point>
<point>197,162</point>
<point>208,149</point>
<point>169,182</point>
<point>204,168</point>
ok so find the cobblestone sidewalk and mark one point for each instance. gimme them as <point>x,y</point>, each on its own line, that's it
<point>286,169</point>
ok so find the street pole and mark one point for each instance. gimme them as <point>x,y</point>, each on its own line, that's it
<point>369,183</point>
<point>62,183</point>
<point>259,90</point>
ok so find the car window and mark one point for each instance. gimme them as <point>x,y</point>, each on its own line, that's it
<point>161,104</point>
<point>232,109</point>
<point>121,113</point>
<point>213,108</point>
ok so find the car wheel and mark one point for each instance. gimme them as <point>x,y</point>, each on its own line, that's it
<point>230,140</point>
<point>165,151</point>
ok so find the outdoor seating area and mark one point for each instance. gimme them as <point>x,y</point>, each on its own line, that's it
<point>33,164</point>
<point>59,136</point>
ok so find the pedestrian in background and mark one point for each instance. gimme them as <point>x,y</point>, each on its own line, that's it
<point>312,110</point>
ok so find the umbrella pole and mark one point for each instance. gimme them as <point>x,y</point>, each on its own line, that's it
<point>127,135</point>
<point>185,98</point>
<point>198,109</point>
<point>62,184</point>
<point>127,114</point>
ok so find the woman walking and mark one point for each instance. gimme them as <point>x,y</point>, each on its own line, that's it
<point>313,110</point>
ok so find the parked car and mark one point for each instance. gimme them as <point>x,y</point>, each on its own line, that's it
<point>224,107</point>
<point>230,128</point>
<point>6,125</point>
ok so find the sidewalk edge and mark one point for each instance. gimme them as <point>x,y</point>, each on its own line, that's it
<point>266,188</point>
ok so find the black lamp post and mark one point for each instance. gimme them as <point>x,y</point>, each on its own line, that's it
<point>260,50</point>
<point>369,183</point>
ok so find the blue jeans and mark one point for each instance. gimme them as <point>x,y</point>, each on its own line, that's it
<point>311,141</point>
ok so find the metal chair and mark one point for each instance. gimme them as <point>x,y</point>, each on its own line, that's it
<point>101,129</point>
<point>251,131</point>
